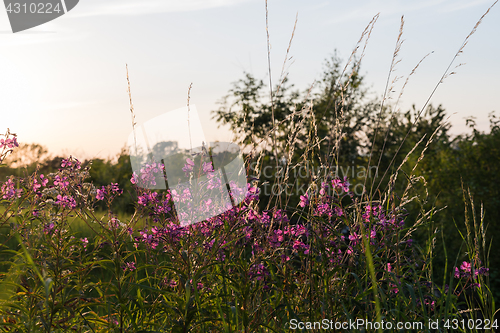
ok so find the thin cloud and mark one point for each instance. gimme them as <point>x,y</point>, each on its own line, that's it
<point>465,5</point>
<point>386,8</point>
<point>69,105</point>
<point>132,8</point>
<point>38,37</point>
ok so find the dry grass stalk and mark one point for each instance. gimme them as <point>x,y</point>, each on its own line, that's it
<point>131,108</point>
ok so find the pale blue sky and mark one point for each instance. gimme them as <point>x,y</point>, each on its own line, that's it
<point>63,84</point>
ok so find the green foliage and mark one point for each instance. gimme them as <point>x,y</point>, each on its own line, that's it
<point>104,172</point>
<point>332,100</point>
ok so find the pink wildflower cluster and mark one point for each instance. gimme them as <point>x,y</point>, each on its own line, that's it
<point>158,203</point>
<point>65,201</point>
<point>258,272</point>
<point>327,202</point>
<point>10,143</point>
<point>129,266</point>
<point>253,193</point>
<point>271,231</point>
<point>466,271</point>
<point>7,144</point>
<point>48,228</point>
<point>85,242</point>
<point>112,190</point>
<point>428,302</point>
<point>255,216</point>
<point>61,181</point>
<point>170,283</point>
<point>341,185</point>
<point>328,210</point>
<point>299,245</point>
<point>181,195</point>
<point>114,223</point>
<point>304,200</point>
<point>237,191</point>
<point>37,185</point>
<point>71,164</point>
<point>290,236</point>
<point>188,167</point>
<point>206,167</point>
<point>378,214</point>
<point>148,175</point>
<point>168,235</point>
<point>9,190</point>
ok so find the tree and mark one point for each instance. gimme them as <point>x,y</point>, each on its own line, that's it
<point>338,99</point>
<point>27,155</point>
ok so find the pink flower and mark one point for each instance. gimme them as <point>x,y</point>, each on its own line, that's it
<point>257,248</point>
<point>277,238</point>
<point>354,238</point>
<point>44,180</point>
<point>300,230</point>
<point>115,188</point>
<point>9,191</point>
<point>85,241</point>
<point>258,271</point>
<point>72,163</point>
<point>61,181</point>
<point>188,167</point>
<point>100,193</point>
<point>129,266</point>
<point>207,167</point>
<point>65,163</point>
<point>466,267</point>
<point>323,209</point>
<point>304,200</point>
<point>339,211</point>
<point>10,143</point>
<point>345,185</point>
<point>252,193</point>
<point>65,201</point>
<point>47,229</point>
<point>336,183</point>
<point>297,245</point>
<point>170,283</point>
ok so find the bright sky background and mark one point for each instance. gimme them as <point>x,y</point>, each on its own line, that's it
<point>63,84</point>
